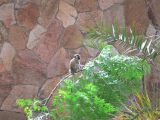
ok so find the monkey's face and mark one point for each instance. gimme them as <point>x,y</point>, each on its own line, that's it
<point>77,57</point>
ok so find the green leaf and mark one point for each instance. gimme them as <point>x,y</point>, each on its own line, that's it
<point>44,108</point>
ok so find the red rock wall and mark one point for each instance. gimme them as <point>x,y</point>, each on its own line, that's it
<point>39,37</point>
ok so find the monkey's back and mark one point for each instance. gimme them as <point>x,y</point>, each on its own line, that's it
<point>73,66</point>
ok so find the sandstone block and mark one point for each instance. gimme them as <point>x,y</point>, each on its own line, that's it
<point>58,64</point>
<point>67,14</point>
<point>49,42</point>
<point>7,14</point>
<point>27,15</point>
<point>7,54</point>
<point>72,37</point>
<point>19,91</point>
<point>86,5</point>
<point>34,36</point>
<point>18,37</point>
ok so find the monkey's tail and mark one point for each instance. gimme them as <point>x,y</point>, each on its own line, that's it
<point>51,93</point>
<point>71,72</point>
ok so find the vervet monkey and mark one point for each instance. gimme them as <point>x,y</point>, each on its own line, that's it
<point>75,65</point>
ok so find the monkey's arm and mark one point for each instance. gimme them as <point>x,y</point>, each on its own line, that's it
<point>80,68</point>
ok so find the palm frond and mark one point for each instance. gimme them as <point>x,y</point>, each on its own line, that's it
<point>101,34</point>
<point>141,107</point>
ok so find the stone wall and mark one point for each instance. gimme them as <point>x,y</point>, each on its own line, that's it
<point>39,37</point>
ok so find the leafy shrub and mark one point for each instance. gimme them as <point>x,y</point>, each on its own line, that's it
<point>116,76</point>
<point>80,103</point>
<point>98,92</point>
<point>29,106</point>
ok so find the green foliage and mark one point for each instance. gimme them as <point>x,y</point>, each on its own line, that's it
<point>98,92</point>
<point>101,34</point>
<point>116,76</point>
<point>29,106</point>
<point>141,108</point>
<point>80,103</point>
<point>24,102</point>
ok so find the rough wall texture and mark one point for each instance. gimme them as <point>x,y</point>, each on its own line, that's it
<point>38,38</point>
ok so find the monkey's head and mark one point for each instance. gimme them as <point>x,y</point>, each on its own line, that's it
<point>77,57</point>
